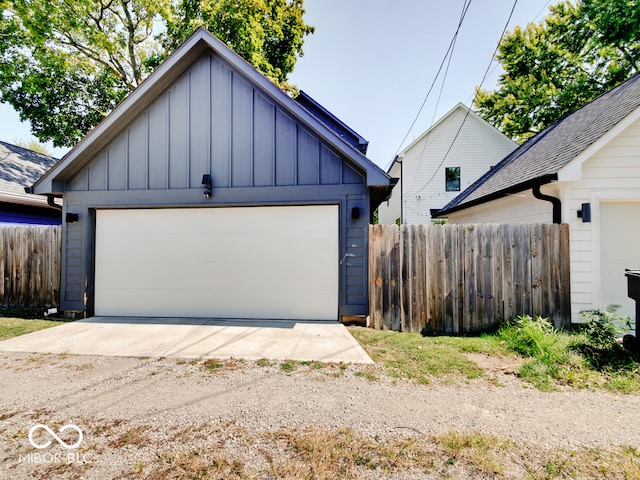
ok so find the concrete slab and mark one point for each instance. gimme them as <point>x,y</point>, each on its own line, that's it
<point>195,338</point>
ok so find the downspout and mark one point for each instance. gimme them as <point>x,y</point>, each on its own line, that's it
<point>557,204</point>
<point>52,203</point>
<point>401,192</point>
<point>50,198</point>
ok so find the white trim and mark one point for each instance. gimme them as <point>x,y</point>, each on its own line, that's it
<point>169,70</point>
<point>573,170</point>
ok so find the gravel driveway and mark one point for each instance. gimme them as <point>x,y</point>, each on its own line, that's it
<point>106,396</point>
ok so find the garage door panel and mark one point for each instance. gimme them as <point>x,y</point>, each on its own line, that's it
<point>271,304</point>
<point>215,275</point>
<point>248,262</point>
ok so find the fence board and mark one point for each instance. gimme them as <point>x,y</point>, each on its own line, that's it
<point>30,265</point>
<point>458,279</point>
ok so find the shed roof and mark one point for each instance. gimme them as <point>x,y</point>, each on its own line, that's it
<point>196,45</point>
<point>19,168</point>
<point>542,158</point>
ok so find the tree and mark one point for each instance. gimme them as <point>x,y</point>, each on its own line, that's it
<point>65,64</point>
<point>33,145</point>
<point>551,69</point>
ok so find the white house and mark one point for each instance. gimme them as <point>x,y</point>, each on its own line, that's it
<point>440,163</point>
<point>584,171</point>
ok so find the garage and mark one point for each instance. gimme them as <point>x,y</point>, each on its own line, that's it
<point>619,234</point>
<point>209,192</point>
<point>272,262</point>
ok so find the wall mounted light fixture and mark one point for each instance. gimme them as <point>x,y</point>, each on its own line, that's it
<point>585,213</point>
<point>71,217</point>
<point>355,213</point>
<point>206,181</point>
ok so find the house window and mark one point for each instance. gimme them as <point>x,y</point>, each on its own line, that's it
<point>452,179</point>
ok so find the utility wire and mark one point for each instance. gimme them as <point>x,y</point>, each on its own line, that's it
<point>465,8</point>
<point>486,73</point>
<point>435,111</point>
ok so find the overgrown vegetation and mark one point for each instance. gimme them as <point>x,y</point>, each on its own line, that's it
<point>588,357</point>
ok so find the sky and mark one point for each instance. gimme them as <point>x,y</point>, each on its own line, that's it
<point>372,62</point>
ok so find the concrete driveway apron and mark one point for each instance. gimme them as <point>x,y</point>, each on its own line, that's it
<point>196,338</point>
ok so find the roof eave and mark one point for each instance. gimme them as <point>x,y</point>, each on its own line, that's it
<point>520,187</point>
<point>179,61</point>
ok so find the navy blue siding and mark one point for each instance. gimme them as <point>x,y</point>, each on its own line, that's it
<point>212,121</point>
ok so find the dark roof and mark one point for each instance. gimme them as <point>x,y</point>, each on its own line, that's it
<point>199,43</point>
<point>334,123</point>
<point>539,160</point>
<point>20,168</point>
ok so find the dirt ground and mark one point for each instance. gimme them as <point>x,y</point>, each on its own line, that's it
<point>130,410</point>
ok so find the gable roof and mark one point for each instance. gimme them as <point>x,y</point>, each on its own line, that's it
<point>543,157</point>
<point>469,114</point>
<point>200,42</point>
<point>19,168</point>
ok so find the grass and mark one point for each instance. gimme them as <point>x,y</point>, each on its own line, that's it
<point>587,358</point>
<point>411,356</point>
<point>13,327</point>
<point>550,358</point>
<point>321,453</point>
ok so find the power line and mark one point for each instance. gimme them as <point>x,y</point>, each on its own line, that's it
<point>486,73</point>
<point>465,8</point>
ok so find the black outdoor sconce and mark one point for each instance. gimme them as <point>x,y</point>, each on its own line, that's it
<point>71,217</point>
<point>206,181</point>
<point>355,213</point>
<point>585,213</point>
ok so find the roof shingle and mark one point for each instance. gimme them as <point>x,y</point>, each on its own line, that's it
<point>543,155</point>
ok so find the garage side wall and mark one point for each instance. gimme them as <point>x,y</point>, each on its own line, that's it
<point>212,121</point>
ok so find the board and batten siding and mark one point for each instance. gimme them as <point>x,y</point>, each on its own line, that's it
<point>612,174</point>
<point>462,140</point>
<point>227,128</point>
<point>211,120</point>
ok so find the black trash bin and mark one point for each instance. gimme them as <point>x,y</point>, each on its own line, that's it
<point>633,289</point>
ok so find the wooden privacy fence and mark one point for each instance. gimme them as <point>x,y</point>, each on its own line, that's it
<point>30,265</point>
<point>458,279</point>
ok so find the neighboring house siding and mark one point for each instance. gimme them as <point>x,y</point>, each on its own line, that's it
<point>611,174</point>
<point>389,211</point>
<point>474,148</point>
<point>518,208</point>
<point>211,121</point>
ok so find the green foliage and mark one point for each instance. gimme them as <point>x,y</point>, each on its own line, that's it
<point>33,145</point>
<point>534,337</point>
<point>545,347</point>
<point>552,68</point>
<point>589,357</point>
<point>598,342</point>
<point>65,64</point>
<point>603,329</point>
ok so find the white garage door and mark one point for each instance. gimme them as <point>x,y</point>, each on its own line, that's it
<point>619,249</point>
<point>245,262</point>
